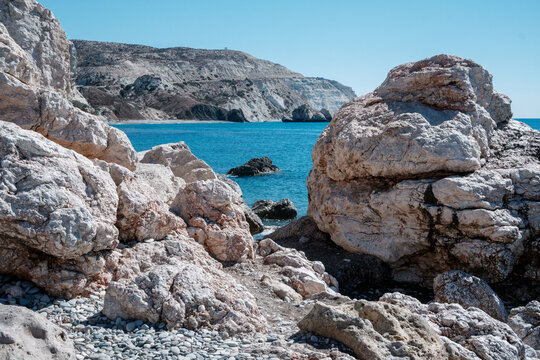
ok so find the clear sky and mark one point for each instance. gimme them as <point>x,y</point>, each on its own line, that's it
<point>354,42</point>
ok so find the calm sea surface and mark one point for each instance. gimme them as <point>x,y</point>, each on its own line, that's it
<point>226,145</point>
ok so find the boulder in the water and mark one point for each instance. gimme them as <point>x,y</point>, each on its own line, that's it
<point>256,166</point>
<point>281,210</point>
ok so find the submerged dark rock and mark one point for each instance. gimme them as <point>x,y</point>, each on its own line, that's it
<point>281,210</point>
<point>256,166</point>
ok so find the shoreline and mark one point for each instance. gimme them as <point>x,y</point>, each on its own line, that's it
<point>175,121</point>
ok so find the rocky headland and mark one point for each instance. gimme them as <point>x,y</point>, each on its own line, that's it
<point>106,253</point>
<point>304,113</point>
<point>129,82</point>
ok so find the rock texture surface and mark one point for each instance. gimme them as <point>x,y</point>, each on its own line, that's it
<point>215,217</point>
<point>308,278</point>
<point>283,209</point>
<point>25,334</point>
<point>35,87</point>
<point>179,158</point>
<point>376,330</point>
<point>467,333</point>
<point>140,82</point>
<point>175,281</point>
<point>525,321</point>
<point>141,212</point>
<point>461,288</point>
<point>57,212</point>
<point>429,173</point>
<point>256,166</point>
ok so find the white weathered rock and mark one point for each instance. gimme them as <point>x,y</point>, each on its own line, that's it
<point>215,218</point>
<point>471,329</point>
<point>468,291</point>
<point>308,278</point>
<point>25,334</point>
<point>34,85</point>
<point>376,330</point>
<point>57,212</point>
<point>525,321</point>
<point>161,179</point>
<point>175,281</point>
<point>282,290</point>
<point>180,160</point>
<point>53,199</point>
<point>141,213</point>
<point>429,174</point>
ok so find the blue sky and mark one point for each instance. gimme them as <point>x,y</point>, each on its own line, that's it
<point>354,42</point>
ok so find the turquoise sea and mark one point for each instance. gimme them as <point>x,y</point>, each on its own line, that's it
<point>226,145</point>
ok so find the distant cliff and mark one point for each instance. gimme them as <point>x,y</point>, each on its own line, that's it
<point>124,82</point>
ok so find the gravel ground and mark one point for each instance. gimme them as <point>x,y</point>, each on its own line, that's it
<point>97,337</point>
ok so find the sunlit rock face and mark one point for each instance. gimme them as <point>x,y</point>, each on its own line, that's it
<point>35,90</point>
<point>430,173</point>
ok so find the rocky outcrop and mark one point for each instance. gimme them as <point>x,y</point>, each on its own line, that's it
<point>305,113</point>
<point>215,218</point>
<point>256,166</point>
<point>25,334</point>
<point>57,212</point>
<point>179,158</point>
<point>375,330</point>
<point>210,112</point>
<point>429,173</point>
<point>525,321</point>
<point>139,82</point>
<point>283,209</point>
<point>35,87</point>
<point>467,333</point>
<point>461,288</point>
<point>175,281</point>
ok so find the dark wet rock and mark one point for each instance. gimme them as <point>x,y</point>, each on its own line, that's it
<point>257,166</point>
<point>255,224</point>
<point>281,210</point>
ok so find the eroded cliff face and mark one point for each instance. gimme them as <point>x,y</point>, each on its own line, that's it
<point>139,82</point>
<point>430,173</point>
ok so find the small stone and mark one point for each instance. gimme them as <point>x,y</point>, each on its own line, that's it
<point>130,326</point>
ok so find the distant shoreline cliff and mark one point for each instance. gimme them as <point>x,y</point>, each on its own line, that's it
<point>135,82</point>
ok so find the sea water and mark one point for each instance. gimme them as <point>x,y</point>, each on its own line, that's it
<point>227,145</point>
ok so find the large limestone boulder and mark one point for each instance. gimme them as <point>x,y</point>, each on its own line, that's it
<point>429,173</point>
<point>141,213</point>
<point>461,288</point>
<point>34,85</point>
<point>25,334</point>
<point>469,333</point>
<point>179,158</point>
<point>375,330</point>
<point>175,281</point>
<point>215,217</point>
<point>57,212</point>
